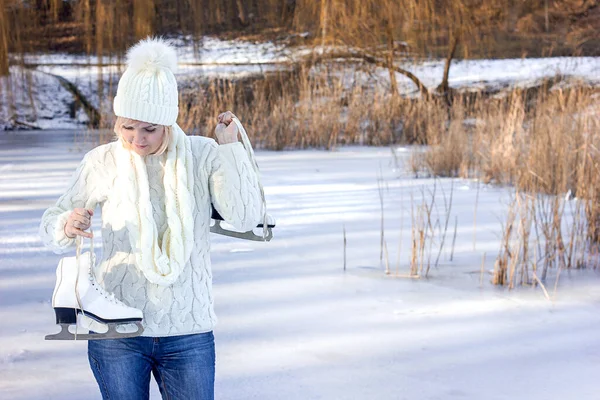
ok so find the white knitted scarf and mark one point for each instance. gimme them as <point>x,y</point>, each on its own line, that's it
<point>159,264</point>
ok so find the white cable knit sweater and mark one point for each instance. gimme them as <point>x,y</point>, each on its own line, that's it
<point>222,175</point>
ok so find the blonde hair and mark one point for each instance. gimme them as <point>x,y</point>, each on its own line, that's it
<point>120,121</point>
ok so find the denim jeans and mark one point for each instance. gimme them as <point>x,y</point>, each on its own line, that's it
<point>183,366</point>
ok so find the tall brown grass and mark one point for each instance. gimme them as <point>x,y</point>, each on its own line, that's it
<point>544,142</point>
<point>311,108</point>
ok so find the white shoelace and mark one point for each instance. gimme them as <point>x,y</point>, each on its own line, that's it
<point>77,257</point>
<point>248,147</point>
<point>110,296</point>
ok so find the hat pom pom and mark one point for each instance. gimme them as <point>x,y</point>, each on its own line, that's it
<point>152,54</point>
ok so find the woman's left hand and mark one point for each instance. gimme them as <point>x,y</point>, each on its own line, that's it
<point>226,131</point>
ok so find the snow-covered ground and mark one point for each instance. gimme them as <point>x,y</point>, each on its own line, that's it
<point>209,50</point>
<point>48,107</point>
<point>294,324</point>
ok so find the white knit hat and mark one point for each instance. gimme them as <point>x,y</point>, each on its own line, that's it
<point>147,91</point>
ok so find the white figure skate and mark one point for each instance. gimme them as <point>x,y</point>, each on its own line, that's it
<point>268,222</point>
<point>267,229</point>
<point>78,294</point>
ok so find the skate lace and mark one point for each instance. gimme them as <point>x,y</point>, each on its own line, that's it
<point>250,153</point>
<point>77,257</point>
<point>107,295</point>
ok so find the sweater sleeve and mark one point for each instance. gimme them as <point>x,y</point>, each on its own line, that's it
<point>81,192</point>
<point>234,188</point>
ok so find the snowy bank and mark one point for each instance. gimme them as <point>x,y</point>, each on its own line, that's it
<point>50,106</point>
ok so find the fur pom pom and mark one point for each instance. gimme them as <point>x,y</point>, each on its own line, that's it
<point>152,54</point>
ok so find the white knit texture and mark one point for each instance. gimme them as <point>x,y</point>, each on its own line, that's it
<point>159,264</point>
<point>147,91</point>
<point>222,174</point>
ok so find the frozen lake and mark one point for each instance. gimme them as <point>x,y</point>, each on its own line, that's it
<point>294,324</point>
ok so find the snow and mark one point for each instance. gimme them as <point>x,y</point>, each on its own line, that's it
<point>292,323</point>
<point>49,104</point>
<point>521,72</point>
<point>210,50</point>
<point>235,59</point>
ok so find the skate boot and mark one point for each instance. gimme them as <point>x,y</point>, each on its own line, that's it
<point>268,222</point>
<point>77,293</point>
<point>266,226</point>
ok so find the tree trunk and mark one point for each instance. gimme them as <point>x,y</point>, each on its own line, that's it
<point>143,18</point>
<point>373,60</point>
<point>443,88</point>
<point>87,26</point>
<point>288,11</point>
<point>100,29</point>
<point>323,23</point>
<point>241,12</point>
<point>216,16</point>
<point>3,40</point>
<point>55,6</point>
<point>93,114</point>
<point>390,56</point>
<point>546,19</point>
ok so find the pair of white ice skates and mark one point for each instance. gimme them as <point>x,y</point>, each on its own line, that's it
<point>81,303</point>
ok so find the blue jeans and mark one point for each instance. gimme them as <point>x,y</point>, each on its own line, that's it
<point>183,366</point>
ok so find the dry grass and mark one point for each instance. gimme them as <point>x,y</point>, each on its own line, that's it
<point>312,108</point>
<point>543,142</point>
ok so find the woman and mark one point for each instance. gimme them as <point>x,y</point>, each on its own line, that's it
<point>155,186</point>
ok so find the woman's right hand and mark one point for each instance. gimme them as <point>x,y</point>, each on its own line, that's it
<point>79,220</point>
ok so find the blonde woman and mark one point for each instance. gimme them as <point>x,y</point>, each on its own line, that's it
<point>155,186</point>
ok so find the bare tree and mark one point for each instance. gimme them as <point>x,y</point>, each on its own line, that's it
<point>379,32</point>
<point>384,32</point>
<point>3,39</point>
<point>143,17</point>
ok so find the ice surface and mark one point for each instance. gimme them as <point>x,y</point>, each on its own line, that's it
<point>293,324</point>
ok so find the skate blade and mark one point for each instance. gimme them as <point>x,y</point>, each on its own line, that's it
<point>112,333</point>
<point>250,235</point>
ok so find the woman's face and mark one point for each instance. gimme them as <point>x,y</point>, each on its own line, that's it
<point>144,138</point>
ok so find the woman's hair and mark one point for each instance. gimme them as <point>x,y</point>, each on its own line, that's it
<point>132,122</point>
